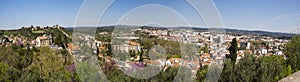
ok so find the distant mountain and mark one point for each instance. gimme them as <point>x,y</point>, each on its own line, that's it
<point>262,33</point>
<point>227,30</point>
<point>249,32</point>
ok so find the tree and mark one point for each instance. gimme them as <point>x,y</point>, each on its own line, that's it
<point>285,72</point>
<point>201,74</point>
<point>233,50</point>
<point>108,52</point>
<point>29,65</point>
<point>132,53</point>
<point>245,69</point>
<point>57,40</point>
<point>251,69</point>
<point>141,55</point>
<point>204,49</point>
<point>228,72</point>
<point>7,73</point>
<point>292,52</point>
<point>269,68</point>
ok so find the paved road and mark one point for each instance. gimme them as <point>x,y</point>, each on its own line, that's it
<point>292,78</point>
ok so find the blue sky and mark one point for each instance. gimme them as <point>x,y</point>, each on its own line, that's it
<point>268,15</point>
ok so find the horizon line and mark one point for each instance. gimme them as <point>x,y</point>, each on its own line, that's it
<point>151,26</point>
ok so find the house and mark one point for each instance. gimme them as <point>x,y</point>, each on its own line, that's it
<point>100,46</point>
<point>45,40</point>
<point>160,62</point>
<point>73,48</point>
<point>33,42</point>
<point>128,45</point>
<point>103,33</point>
<point>205,59</point>
<point>240,55</point>
<point>263,51</point>
<point>219,59</point>
<point>248,45</point>
<point>172,62</point>
<point>4,40</point>
<point>278,53</point>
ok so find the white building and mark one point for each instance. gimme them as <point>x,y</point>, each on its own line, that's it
<point>263,51</point>
<point>44,40</point>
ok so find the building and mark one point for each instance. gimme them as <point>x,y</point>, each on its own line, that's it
<point>56,26</point>
<point>73,48</point>
<point>263,51</point>
<point>45,40</point>
<point>128,45</point>
<point>205,59</point>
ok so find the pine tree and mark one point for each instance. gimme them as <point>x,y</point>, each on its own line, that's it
<point>233,50</point>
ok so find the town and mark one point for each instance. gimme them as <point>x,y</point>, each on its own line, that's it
<point>131,48</point>
<point>149,41</point>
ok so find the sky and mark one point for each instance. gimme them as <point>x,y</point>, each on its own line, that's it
<point>266,15</point>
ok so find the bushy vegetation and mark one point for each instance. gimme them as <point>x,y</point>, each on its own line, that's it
<point>250,68</point>
<point>34,64</point>
<point>263,69</point>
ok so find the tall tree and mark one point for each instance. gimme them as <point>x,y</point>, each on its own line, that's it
<point>233,50</point>
<point>228,73</point>
<point>141,55</point>
<point>292,52</point>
